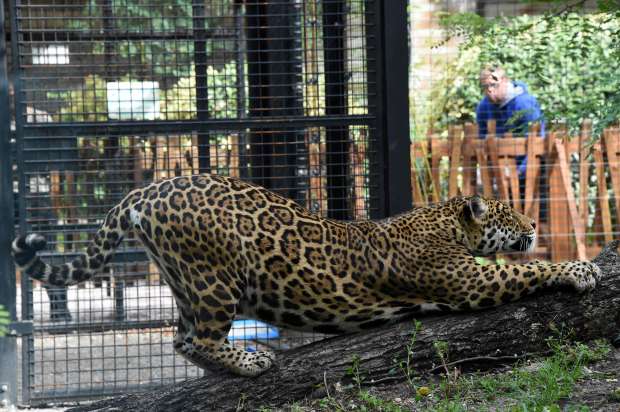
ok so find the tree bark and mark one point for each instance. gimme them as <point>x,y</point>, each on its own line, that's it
<point>476,340</point>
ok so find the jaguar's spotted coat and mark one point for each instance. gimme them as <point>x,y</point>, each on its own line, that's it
<point>229,248</point>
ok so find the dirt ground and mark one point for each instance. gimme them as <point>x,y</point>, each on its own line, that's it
<point>596,391</point>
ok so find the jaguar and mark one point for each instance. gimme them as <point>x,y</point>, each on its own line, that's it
<point>230,248</point>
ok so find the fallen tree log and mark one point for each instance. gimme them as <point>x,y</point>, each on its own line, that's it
<point>475,341</point>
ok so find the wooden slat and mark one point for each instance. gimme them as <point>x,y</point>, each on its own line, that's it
<point>138,163</point>
<point>611,150</point>
<point>358,154</point>
<point>436,156</point>
<point>469,164</point>
<point>316,193</point>
<point>532,172</point>
<point>561,244</point>
<point>516,146</point>
<point>578,225</point>
<point>603,198</point>
<point>455,135</point>
<point>514,183</point>
<point>485,176</point>
<point>55,192</point>
<point>70,208</point>
<point>508,167</point>
<point>234,156</point>
<point>322,149</point>
<point>584,168</point>
<point>534,211</point>
<point>496,168</point>
<point>418,198</point>
<point>163,158</point>
<point>423,170</point>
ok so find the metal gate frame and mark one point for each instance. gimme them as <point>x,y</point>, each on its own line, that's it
<point>8,344</point>
<point>387,50</point>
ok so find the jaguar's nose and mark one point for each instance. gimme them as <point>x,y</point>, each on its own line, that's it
<point>533,223</point>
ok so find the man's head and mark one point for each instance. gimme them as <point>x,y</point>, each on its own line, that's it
<point>494,83</point>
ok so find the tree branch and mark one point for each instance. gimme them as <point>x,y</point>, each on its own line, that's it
<point>504,333</point>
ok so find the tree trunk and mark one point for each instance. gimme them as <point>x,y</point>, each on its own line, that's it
<point>476,340</point>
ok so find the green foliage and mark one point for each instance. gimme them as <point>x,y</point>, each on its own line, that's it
<point>553,379</point>
<point>363,402</point>
<point>163,58</point>
<point>406,365</point>
<point>136,17</point>
<point>4,321</point>
<point>89,103</point>
<point>222,86</point>
<point>569,62</point>
<point>563,6</point>
<point>354,373</point>
<point>464,24</point>
<point>373,403</point>
<point>536,387</point>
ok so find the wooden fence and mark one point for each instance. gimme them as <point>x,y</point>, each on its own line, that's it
<point>571,185</point>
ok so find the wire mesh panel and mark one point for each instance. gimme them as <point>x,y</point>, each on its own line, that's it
<point>114,94</point>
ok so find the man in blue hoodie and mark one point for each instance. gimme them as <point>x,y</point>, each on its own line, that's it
<point>509,104</point>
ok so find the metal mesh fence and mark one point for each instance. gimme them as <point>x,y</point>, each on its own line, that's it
<point>112,95</point>
<point>171,61</point>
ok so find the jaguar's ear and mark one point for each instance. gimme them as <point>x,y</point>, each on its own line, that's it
<point>475,209</point>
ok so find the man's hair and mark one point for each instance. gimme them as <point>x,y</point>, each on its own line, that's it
<point>494,71</point>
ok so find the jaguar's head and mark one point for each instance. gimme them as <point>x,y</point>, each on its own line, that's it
<point>492,226</point>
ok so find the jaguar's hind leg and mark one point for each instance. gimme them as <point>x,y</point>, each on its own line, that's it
<point>213,316</point>
<point>237,360</point>
<point>184,344</point>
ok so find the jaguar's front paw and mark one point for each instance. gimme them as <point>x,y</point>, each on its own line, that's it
<point>583,275</point>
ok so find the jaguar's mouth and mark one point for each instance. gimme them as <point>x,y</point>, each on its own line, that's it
<point>525,243</point>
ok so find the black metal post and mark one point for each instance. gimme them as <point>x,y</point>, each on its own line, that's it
<point>202,92</point>
<point>396,105</point>
<point>388,97</point>
<point>27,341</point>
<point>258,97</point>
<point>240,74</point>
<point>372,16</point>
<point>60,310</point>
<point>8,345</point>
<point>336,105</point>
<point>274,78</point>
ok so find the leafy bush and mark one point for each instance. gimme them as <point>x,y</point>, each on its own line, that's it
<point>569,62</point>
<point>179,102</point>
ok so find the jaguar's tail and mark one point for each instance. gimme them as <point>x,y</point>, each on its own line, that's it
<point>82,268</point>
